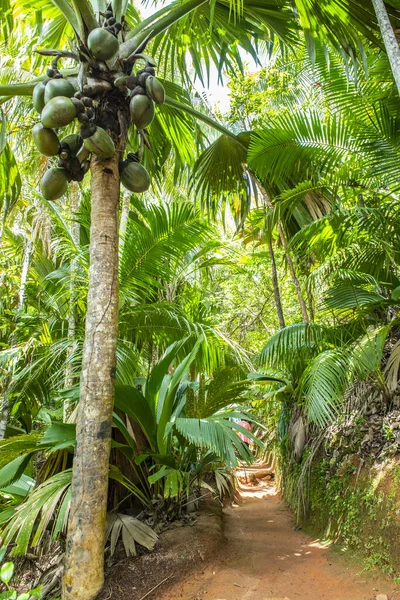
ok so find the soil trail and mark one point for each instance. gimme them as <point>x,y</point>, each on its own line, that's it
<point>264,558</point>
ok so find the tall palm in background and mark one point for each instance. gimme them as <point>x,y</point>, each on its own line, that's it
<point>328,159</point>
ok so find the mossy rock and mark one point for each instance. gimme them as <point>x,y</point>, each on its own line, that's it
<point>134,177</point>
<point>102,44</point>
<point>58,87</point>
<point>58,112</point>
<point>54,183</point>
<point>46,140</point>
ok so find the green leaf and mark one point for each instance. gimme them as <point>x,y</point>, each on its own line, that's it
<point>168,404</point>
<point>5,515</point>
<point>396,294</point>
<point>323,384</point>
<point>31,518</point>
<point>346,296</point>
<point>158,372</point>
<point>12,472</point>
<point>367,354</point>
<point>6,572</point>
<point>59,436</point>
<point>37,592</point>
<point>135,405</point>
<point>22,487</point>
<point>3,138</point>
<point>10,181</point>
<point>116,474</point>
<point>220,175</point>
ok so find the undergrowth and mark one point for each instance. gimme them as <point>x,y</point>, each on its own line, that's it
<point>349,507</point>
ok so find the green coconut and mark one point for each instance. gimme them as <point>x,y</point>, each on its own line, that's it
<point>46,140</point>
<point>58,87</point>
<point>142,111</point>
<point>102,44</point>
<point>54,183</point>
<point>38,96</point>
<point>134,176</point>
<point>155,89</point>
<point>74,143</point>
<point>100,144</point>
<point>58,112</point>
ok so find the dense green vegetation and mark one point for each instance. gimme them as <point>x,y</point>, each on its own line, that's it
<point>255,279</point>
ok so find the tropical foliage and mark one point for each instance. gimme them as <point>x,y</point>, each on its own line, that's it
<point>258,274</point>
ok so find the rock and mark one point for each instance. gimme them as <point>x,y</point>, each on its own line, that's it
<point>381,597</point>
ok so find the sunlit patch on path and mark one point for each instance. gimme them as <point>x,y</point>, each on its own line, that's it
<point>265,557</point>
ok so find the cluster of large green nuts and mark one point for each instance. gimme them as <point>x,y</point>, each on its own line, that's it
<point>59,104</point>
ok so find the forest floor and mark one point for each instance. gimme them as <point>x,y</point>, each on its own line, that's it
<point>264,557</point>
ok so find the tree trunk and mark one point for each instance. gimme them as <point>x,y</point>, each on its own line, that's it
<point>5,407</point>
<point>389,38</point>
<point>289,260</point>
<point>69,379</point>
<point>277,295</point>
<point>84,562</point>
<point>293,274</point>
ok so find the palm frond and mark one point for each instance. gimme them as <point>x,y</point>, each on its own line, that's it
<point>218,433</point>
<point>323,384</point>
<point>47,504</point>
<point>132,532</point>
<point>220,177</point>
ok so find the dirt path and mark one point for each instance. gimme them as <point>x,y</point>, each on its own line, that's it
<point>264,558</point>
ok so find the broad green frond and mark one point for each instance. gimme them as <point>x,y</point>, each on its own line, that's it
<point>323,384</point>
<point>220,177</point>
<point>217,434</point>
<point>31,519</point>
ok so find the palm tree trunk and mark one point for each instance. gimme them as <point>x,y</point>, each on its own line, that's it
<point>277,295</point>
<point>69,379</point>
<point>84,563</point>
<point>293,274</point>
<point>5,407</point>
<point>389,39</point>
<point>289,260</point>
